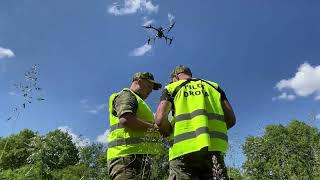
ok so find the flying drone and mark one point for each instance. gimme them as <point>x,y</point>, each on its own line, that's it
<point>160,32</point>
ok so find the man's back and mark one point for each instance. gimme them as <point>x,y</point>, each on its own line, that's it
<point>197,93</point>
<point>201,117</point>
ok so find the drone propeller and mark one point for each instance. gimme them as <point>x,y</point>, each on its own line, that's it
<point>148,27</point>
<point>171,26</point>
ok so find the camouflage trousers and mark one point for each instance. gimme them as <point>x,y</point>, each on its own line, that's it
<point>136,166</point>
<point>200,165</point>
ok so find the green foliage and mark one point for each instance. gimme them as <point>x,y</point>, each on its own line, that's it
<point>27,172</point>
<point>60,151</point>
<point>53,151</point>
<point>160,167</point>
<point>17,151</point>
<point>29,154</point>
<point>90,155</point>
<point>74,172</point>
<point>235,174</point>
<point>94,160</point>
<point>283,152</point>
<point>160,164</point>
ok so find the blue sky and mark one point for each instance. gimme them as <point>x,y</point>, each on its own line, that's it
<point>264,54</point>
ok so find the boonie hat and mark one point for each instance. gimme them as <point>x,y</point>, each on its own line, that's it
<point>148,76</point>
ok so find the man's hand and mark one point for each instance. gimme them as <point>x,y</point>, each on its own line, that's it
<point>130,121</point>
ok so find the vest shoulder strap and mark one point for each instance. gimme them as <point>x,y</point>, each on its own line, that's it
<point>210,84</point>
<point>177,89</point>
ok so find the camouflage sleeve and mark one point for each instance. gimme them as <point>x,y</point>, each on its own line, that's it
<point>125,103</point>
<point>165,95</point>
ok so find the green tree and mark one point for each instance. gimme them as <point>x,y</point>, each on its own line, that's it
<point>53,156</point>
<point>17,151</point>
<point>60,149</point>
<point>55,150</point>
<point>72,172</point>
<point>235,173</point>
<point>89,155</point>
<point>92,165</point>
<point>26,172</point>
<point>93,157</point>
<point>283,152</point>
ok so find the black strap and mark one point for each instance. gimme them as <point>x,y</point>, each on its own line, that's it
<point>223,95</point>
<point>186,82</point>
<point>210,85</point>
<point>177,89</point>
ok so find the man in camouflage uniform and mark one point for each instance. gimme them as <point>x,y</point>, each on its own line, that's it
<point>131,120</point>
<point>198,129</point>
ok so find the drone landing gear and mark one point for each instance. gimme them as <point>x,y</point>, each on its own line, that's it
<point>170,40</point>
<point>151,39</point>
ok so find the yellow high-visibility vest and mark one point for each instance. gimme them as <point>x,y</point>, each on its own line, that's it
<point>198,119</point>
<point>124,141</point>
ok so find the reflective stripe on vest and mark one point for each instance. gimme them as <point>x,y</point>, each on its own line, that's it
<point>189,116</point>
<point>131,141</point>
<point>123,141</point>
<point>115,126</point>
<point>199,118</point>
<point>199,131</point>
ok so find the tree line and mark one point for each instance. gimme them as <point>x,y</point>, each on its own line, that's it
<point>282,152</point>
<point>29,155</point>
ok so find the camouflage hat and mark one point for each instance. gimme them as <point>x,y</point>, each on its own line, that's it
<point>181,69</point>
<point>148,76</point>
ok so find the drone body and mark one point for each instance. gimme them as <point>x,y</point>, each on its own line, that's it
<point>160,33</point>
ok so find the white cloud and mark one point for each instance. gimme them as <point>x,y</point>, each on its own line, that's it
<point>318,116</point>
<point>13,93</point>
<point>285,96</point>
<point>305,82</point>
<point>93,109</point>
<point>103,138</point>
<point>140,51</point>
<point>317,97</point>
<point>78,140</point>
<point>133,6</point>
<point>6,53</point>
<point>170,17</point>
<point>150,8</point>
<point>97,109</point>
<point>84,103</point>
<point>147,21</point>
